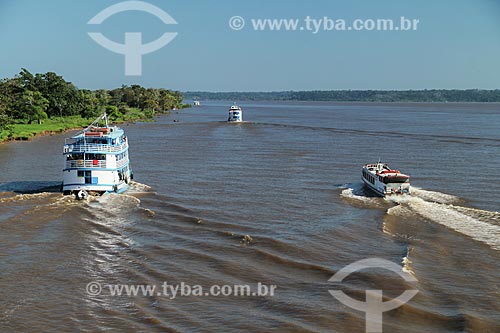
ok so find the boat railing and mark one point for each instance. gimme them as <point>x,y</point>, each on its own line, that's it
<point>122,163</point>
<point>86,164</point>
<point>93,148</point>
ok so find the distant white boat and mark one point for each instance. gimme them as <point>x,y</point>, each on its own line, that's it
<point>196,103</point>
<point>383,180</point>
<point>235,114</point>
<point>96,161</point>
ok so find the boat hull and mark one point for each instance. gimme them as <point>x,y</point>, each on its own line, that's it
<point>96,180</point>
<point>373,189</point>
<point>97,189</point>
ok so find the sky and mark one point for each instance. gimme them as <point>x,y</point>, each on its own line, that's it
<point>456,45</point>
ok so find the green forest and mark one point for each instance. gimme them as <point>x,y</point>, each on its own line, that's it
<point>36,103</point>
<point>434,95</point>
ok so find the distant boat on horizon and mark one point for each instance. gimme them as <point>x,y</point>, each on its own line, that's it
<point>235,114</point>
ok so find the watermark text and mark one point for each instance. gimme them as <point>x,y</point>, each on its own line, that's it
<point>172,291</point>
<point>325,24</point>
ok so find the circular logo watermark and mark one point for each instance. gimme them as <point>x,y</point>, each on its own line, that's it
<point>236,22</point>
<point>133,49</point>
<point>374,306</point>
<point>94,289</point>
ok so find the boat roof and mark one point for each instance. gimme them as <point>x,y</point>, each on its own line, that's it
<point>383,169</point>
<point>114,133</point>
<point>99,131</point>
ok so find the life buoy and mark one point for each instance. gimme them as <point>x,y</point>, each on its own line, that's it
<point>82,195</point>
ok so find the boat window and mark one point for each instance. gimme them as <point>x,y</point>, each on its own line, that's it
<point>95,156</point>
<point>77,156</point>
<point>396,180</point>
<point>88,177</point>
<point>121,156</point>
<point>80,173</point>
<point>97,141</point>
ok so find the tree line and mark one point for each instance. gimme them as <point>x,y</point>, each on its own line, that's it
<point>28,98</point>
<point>433,95</point>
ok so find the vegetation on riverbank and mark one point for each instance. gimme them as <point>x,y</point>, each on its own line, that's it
<point>22,131</point>
<point>55,125</point>
<point>434,95</point>
<point>45,103</point>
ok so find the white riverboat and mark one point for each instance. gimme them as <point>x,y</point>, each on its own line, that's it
<point>96,161</point>
<point>383,180</point>
<point>235,114</point>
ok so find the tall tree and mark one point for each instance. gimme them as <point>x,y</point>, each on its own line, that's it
<point>33,105</point>
<point>63,97</point>
<point>31,97</point>
<point>27,80</point>
<point>4,118</point>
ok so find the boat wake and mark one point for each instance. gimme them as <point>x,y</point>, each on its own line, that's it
<point>138,188</point>
<point>468,140</point>
<point>432,196</point>
<point>7,197</point>
<point>406,262</point>
<point>23,202</point>
<point>357,194</point>
<point>120,206</point>
<point>441,208</point>
<point>467,221</point>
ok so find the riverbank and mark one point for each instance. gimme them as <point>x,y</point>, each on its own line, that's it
<point>25,132</point>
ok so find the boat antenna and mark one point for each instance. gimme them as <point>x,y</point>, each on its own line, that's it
<point>96,122</point>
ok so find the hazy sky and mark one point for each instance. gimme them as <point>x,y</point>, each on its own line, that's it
<point>457,45</point>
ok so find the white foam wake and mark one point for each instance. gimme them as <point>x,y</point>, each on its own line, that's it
<point>349,194</point>
<point>357,192</point>
<point>464,221</point>
<point>442,208</point>
<point>406,262</point>
<point>434,196</point>
<point>135,187</point>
